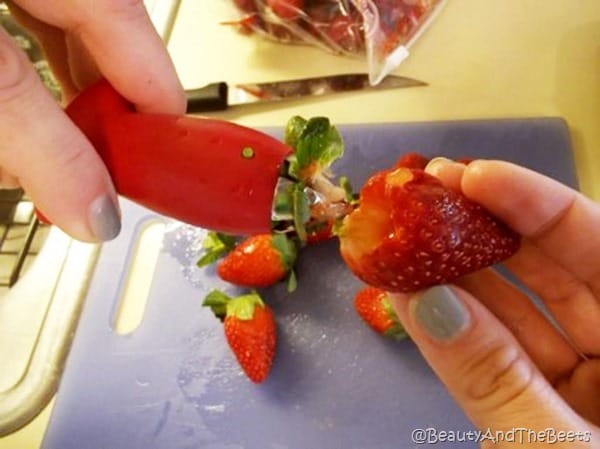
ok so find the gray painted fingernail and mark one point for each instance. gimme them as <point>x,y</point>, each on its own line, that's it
<point>105,219</point>
<point>441,313</point>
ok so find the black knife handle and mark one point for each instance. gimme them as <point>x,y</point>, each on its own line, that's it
<point>212,97</point>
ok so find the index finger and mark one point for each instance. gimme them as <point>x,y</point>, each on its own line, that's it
<point>562,222</point>
<point>124,44</point>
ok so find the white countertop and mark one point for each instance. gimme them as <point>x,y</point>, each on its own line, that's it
<point>481,60</point>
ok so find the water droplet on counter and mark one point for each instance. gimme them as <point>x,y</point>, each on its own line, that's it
<point>184,243</point>
<point>215,408</point>
<point>142,382</point>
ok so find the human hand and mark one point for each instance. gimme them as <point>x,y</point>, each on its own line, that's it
<point>497,354</point>
<point>41,149</point>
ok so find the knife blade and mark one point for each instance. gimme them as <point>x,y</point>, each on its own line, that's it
<point>220,96</point>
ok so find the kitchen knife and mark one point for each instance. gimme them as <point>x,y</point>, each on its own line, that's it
<point>221,96</point>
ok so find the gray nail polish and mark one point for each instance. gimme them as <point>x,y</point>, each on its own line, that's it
<point>441,314</point>
<point>105,219</point>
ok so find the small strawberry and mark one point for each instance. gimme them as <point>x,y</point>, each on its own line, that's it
<point>373,306</point>
<point>410,232</point>
<point>250,331</point>
<point>260,261</point>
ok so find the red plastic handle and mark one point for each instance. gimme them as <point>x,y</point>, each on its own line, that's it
<point>209,173</point>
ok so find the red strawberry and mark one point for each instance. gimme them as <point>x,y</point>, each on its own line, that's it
<point>373,306</point>
<point>344,31</point>
<point>249,329</point>
<point>412,160</point>
<point>410,232</point>
<point>286,9</point>
<point>259,261</point>
<point>319,231</point>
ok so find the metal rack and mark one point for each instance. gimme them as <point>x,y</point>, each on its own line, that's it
<point>20,240</point>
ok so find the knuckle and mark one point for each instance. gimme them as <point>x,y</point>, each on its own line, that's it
<point>126,9</point>
<point>88,12</point>
<point>14,70</point>
<point>497,376</point>
<point>568,288</point>
<point>71,157</point>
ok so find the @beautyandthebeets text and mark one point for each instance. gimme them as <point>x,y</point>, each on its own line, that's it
<point>518,435</point>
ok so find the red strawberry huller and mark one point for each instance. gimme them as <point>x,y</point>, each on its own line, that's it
<point>204,172</point>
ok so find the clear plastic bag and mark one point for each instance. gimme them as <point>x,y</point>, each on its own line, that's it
<point>381,30</point>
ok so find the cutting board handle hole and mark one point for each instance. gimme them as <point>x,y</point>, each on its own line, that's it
<point>135,288</point>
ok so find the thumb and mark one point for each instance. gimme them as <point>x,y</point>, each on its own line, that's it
<point>51,159</point>
<point>481,363</point>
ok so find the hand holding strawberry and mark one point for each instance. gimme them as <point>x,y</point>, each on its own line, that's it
<point>500,357</point>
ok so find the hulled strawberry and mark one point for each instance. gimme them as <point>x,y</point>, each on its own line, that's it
<point>259,261</point>
<point>373,306</point>
<point>250,331</point>
<point>410,232</point>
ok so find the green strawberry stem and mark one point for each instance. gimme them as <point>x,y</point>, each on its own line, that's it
<point>396,331</point>
<point>291,281</point>
<point>216,245</point>
<point>242,307</point>
<point>316,143</point>
<point>287,250</point>
<point>217,301</point>
<point>301,211</point>
<point>312,195</point>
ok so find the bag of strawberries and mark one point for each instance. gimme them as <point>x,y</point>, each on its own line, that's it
<point>381,30</point>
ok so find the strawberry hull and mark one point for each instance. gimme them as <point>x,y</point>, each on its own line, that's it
<point>410,233</point>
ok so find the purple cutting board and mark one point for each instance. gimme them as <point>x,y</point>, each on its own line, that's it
<point>173,383</point>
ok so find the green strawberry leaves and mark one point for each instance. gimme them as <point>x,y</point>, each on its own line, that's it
<point>286,248</point>
<point>344,183</point>
<point>315,141</point>
<point>217,301</point>
<point>216,245</point>
<point>241,307</point>
<point>317,145</point>
<point>300,210</point>
<point>291,204</point>
<point>293,130</point>
<point>396,331</point>
<point>289,252</point>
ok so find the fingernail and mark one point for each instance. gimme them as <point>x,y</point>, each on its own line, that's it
<point>105,219</point>
<point>441,313</point>
<point>437,164</point>
<point>439,160</point>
